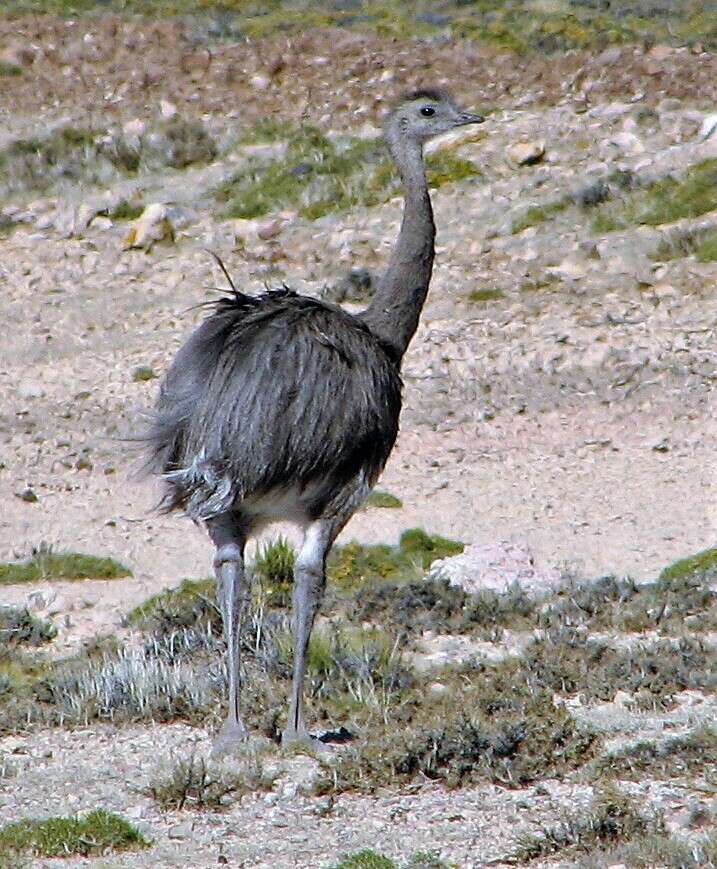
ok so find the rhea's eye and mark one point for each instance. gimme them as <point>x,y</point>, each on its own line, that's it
<point>428,111</point>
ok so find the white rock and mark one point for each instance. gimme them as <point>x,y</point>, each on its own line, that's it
<point>242,229</point>
<point>151,226</point>
<point>30,389</point>
<point>137,127</point>
<point>708,128</point>
<point>497,567</point>
<point>525,153</point>
<point>41,599</point>
<point>628,143</point>
<point>569,269</point>
<point>167,110</point>
<point>101,222</point>
<point>455,139</point>
<point>260,82</point>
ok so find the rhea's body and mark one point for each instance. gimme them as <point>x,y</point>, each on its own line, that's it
<point>306,424</point>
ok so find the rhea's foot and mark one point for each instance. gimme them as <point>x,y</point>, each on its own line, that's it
<point>301,738</point>
<point>232,736</point>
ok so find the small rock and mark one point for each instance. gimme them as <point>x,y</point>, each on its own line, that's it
<point>86,213</point>
<point>41,600</point>
<point>180,831</point>
<point>569,269</point>
<point>243,229</point>
<point>525,153</point>
<point>167,110</point>
<point>269,229</point>
<point>628,143</point>
<point>27,495</point>
<point>289,791</point>
<point>496,567</point>
<point>708,128</point>
<point>437,689</point>
<point>260,82</point>
<point>661,446</point>
<point>609,57</point>
<point>30,389</point>
<point>151,226</point>
<point>623,699</point>
<point>455,139</point>
<point>100,222</point>
<point>137,128</point>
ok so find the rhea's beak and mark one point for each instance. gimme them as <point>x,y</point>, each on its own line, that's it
<point>468,118</point>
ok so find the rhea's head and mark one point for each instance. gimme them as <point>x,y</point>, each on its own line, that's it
<point>420,115</point>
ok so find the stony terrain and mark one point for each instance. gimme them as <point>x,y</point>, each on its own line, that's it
<point>559,392</point>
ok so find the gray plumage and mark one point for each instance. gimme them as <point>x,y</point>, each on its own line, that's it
<point>281,406</point>
<point>269,392</point>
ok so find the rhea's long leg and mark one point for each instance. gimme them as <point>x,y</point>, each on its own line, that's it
<point>229,537</point>
<point>309,582</point>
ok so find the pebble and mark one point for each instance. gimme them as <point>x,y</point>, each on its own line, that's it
<point>181,831</point>
<point>525,153</point>
<point>29,389</point>
<point>152,226</point>
<point>167,110</point>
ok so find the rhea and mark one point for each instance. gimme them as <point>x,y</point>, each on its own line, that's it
<point>283,407</point>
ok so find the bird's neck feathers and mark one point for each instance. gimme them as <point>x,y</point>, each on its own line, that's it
<point>396,306</point>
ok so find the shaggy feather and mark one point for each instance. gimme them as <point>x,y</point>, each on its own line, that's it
<point>270,392</point>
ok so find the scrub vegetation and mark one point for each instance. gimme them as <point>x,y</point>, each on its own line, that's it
<point>46,564</point>
<point>494,720</point>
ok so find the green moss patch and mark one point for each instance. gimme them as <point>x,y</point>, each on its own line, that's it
<point>489,294</point>
<point>538,214</point>
<point>383,500</point>
<point>7,70</point>
<point>143,373</point>
<point>365,859</point>
<point>126,210</point>
<point>46,564</point>
<point>702,565</point>
<point>93,835</point>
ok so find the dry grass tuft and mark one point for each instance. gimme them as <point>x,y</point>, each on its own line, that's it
<point>193,783</point>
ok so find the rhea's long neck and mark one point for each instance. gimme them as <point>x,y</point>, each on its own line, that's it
<point>396,306</point>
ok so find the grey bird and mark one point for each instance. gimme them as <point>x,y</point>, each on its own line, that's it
<point>283,407</point>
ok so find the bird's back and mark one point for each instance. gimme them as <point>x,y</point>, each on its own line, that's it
<point>274,393</point>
